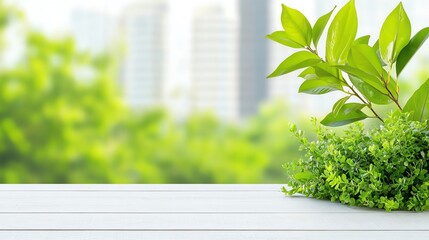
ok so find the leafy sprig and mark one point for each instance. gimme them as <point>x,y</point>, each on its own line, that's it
<point>352,66</point>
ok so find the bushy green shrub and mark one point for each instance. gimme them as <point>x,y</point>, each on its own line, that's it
<point>386,167</point>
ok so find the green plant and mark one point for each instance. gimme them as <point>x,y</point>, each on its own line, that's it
<point>363,72</point>
<point>386,167</point>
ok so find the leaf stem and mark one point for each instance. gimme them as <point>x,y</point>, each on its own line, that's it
<point>386,85</point>
<point>397,104</point>
<point>354,93</point>
<point>368,104</point>
<point>312,50</point>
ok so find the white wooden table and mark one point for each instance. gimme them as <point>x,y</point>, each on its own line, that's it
<point>131,212</point>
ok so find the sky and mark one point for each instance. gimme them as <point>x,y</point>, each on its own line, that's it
<point>54,16</point>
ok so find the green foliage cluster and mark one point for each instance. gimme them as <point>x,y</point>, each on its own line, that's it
<point>386,167</point>
<point>365,73</point>
<point>51,124</point>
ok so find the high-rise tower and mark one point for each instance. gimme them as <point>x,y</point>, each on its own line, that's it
<point>215,61</point>
<point>144,67</point>
<point>253,55</point>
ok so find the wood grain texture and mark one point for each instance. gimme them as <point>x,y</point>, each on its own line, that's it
<point>170,202</point>
<point>191,212</point>
<point>210,235</point>
<point>222,221</point>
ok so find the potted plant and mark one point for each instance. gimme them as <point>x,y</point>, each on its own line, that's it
<point>385,167</point>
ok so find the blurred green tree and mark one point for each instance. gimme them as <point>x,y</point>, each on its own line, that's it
<point>62,121</point>
<point>53,127</point>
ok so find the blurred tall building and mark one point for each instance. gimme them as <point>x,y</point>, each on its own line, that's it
<point>215,62</point>
<point>93,30</point>
<point>253,55</point>
<point>144,66</point>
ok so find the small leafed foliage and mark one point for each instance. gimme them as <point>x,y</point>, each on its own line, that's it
<point>386,167</point>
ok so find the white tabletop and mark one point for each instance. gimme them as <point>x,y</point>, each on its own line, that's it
<point>191,212</point>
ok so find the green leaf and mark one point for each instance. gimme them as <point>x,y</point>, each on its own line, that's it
<point>339,104</point>
<point>341,34</point>
<point>308,73</point>
<point>296,61</point>
<point>325,70</point>
<point>418,105</point>
<point>320,86</point>
<point>408,51</point>
<point>282,38</point>
<point>365,58</point>
<point>296,26</point>
<point>370,79</point>
<point>376,47</point>
<point>362,40</point>
<point>302,176</point>
<point>321,78</point>
<point>369,92</point>
<point>348,113</point>
<point>320,26</point>
<point>395,34</point>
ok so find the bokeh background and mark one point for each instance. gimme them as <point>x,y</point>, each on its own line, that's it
<point>158,91</point>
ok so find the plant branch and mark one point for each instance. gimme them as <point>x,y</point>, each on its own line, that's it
<point>368,104</point>
<point>312,50</point>
<point>395,100</point>
<point>354,92</point>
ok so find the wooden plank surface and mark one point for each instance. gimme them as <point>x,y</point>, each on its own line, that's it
<point>218,222</point>
<point>210,235</point>
<point>170,202</point>
<point>190,212</point>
